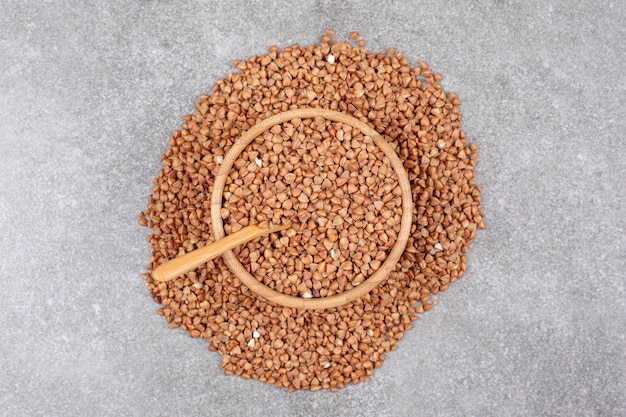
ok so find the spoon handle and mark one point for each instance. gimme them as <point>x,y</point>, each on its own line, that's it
<point>191,260</point>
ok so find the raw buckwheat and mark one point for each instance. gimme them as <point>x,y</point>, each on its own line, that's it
<point>339,193</point>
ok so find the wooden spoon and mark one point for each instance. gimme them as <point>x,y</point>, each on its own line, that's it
<point>176,267</point>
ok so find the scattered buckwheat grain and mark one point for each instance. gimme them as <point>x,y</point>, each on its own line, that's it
<point>341,196</point>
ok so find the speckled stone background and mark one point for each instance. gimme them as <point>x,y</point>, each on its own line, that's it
<point>91,91</point>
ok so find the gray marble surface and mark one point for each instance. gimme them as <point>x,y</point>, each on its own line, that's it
<point>91,91</point>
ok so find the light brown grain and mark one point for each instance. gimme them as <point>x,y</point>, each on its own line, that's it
<point>343,197</point>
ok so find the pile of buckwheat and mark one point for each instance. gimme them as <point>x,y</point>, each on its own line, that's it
<point>340,195</point>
